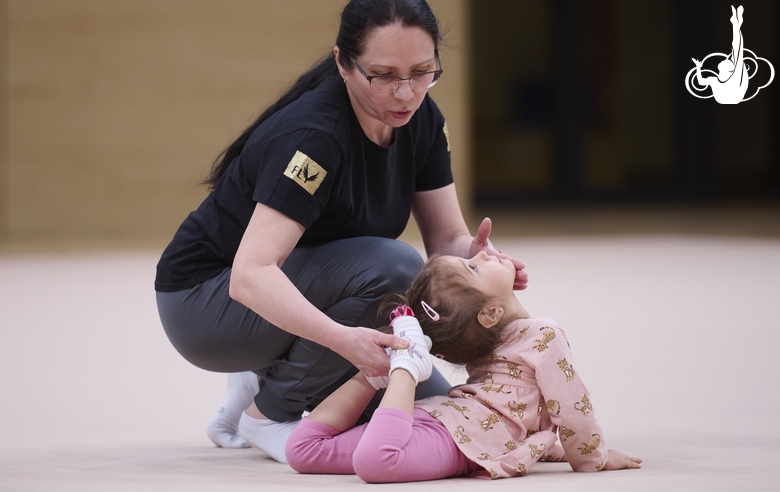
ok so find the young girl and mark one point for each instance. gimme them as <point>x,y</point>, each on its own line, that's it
<point>522,388</point>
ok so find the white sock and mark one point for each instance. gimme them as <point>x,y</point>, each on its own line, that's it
<point>415,359</point>
<point>266,435</point>
<point>223,426</point>
<point>378,382</point>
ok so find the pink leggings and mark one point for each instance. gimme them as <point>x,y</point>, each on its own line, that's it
<point>392,447</point>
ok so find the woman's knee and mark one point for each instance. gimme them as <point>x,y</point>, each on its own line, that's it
<point>217,334</point>
<point>396,266</point>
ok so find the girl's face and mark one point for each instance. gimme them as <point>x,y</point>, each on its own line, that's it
<point>393,50</point>
<point>491,275</point>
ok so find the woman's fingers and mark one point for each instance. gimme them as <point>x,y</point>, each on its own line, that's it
<point>393,342</point>
<point>481,240</point>
<point>521,278</point>
<point>483,232</point>
<point>365,348</point>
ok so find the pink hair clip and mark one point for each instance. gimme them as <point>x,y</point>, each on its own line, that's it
<point>430,311</point>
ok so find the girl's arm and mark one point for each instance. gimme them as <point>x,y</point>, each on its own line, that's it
<point>407,367</point>
<point>258,283</point>
<point>619,461</point>
<point>342,409</point>
<point>400,392</point>
<point>568,401</point>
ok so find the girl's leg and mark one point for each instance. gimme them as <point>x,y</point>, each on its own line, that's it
<point>342,409</point>
<point>396,447</point>
<point>313,447</point>
<point>325,440</point>
<point>404,444</point>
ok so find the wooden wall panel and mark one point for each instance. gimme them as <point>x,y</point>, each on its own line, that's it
<point>116,109</point>
<point>3,121</point>
<point>453,93</point>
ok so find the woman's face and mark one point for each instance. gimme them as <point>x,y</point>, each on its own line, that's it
<point>394,50</point>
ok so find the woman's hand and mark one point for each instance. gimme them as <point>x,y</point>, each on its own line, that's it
<point>619,461</point>
<point>365,349</point>
<point>482,242</point>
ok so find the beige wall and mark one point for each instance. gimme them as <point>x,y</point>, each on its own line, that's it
<point>3,122</point>
<point>115,110</point>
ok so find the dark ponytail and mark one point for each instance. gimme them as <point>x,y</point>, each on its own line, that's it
<point>358,19</point>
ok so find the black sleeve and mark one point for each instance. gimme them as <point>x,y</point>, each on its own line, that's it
<point>296,174</point>
<point>436,171</point>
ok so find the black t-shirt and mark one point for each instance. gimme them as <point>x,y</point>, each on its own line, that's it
<point>312,162</point>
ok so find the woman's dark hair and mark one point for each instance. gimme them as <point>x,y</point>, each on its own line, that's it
<point>358,19</point>
<point>457,335</point>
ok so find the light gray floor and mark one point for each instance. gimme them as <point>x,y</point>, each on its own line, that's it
<point>676,337</point>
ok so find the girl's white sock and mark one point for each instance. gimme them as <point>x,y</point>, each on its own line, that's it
<point>415,359</point>
<point>378,382</point>
<point>266,435</point>
<point>223,427</point>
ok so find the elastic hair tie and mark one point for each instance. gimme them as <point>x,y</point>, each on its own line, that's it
<point>402,310</point>
<point>430,311</point>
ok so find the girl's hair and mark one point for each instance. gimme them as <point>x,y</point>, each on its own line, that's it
<point>457,335</point>
<point>358,19</point>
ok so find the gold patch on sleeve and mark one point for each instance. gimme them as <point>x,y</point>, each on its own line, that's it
<point>447,136</point>
<point>304,171</point>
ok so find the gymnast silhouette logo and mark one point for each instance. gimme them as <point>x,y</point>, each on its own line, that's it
<point>735,70</point>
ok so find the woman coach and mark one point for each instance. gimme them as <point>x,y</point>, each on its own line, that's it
<point>281,269</point>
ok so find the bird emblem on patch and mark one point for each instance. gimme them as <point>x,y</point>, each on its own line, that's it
<point>306,177</point>
<point>303,170</point>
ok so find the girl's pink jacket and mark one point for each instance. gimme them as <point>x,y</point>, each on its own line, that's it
<point>527,404</point>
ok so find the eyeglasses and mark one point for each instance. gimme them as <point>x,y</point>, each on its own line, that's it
<point>388,84</point>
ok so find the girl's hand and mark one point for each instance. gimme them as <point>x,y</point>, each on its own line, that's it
<point>619,461</point>
<point>697,62</point>
<point>365,349</point>
<point>482,243</point>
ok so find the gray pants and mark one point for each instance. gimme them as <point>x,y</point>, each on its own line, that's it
<point>346,279</point>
